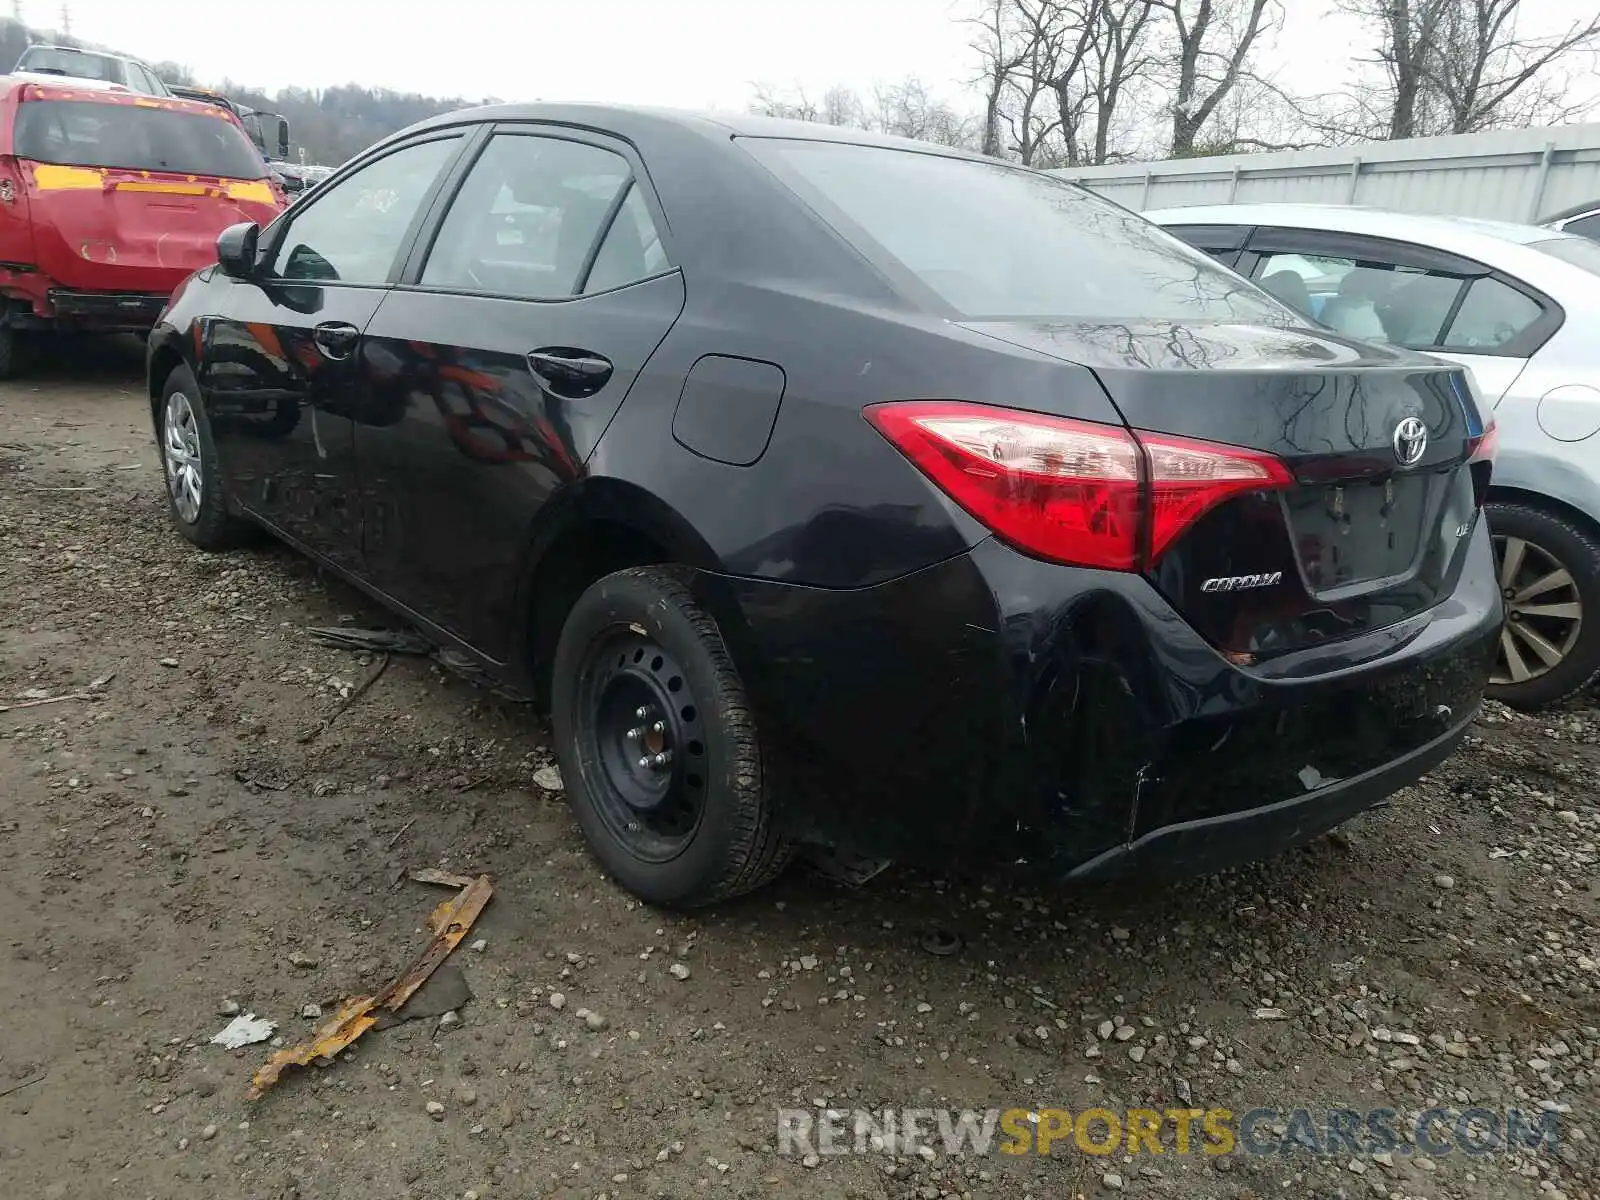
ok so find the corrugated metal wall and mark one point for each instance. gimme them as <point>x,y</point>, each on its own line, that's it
<point>1510,175</point>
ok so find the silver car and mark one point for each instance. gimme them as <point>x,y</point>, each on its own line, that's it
<point>1518,305</point>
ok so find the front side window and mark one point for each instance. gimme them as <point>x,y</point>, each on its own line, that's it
<point>992,240</point>
<point>355,230</point>
<point>1364,298</point>
<point>527,218</point>
<point>134,137</point>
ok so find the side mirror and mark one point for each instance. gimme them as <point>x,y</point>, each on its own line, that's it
<point>283,139</point>
<point>236,250</point>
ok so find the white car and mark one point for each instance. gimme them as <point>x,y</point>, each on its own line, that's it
<point>1519,306</point>
<point>52,64</point>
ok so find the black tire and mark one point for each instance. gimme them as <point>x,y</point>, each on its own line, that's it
<point>1573,548</point>
<point>733,843</point>
<point>214,526</point>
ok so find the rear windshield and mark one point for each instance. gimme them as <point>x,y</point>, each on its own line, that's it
<point>138,137</point>
<point>1579,251</point>
<point>54,60</point>
<point>992,240</point>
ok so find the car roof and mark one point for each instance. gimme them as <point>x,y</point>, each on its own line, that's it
<point>625,120</point>
<point>84,50</point>
<point>78,82</point>
<point>60,87</point>
<point>1437,230</point>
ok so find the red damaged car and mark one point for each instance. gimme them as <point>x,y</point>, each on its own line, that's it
<point>109,200</point>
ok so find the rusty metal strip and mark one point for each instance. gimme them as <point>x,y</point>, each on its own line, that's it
<point>449,923</point>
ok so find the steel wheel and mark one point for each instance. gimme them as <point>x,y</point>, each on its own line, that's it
<point>645,732</point>
<point>181,449</point>
<point>1544,611</point>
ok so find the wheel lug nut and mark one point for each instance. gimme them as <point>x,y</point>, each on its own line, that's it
<point>635,734</point>
<point>641,712</point>
<point>659,727</point>
<point>644,763</point>
<point>662,759</point>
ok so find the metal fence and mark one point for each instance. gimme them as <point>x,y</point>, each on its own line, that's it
<point>1509,175</point>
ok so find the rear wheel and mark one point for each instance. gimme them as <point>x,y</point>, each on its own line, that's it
<point>658,745</point>
<point>195,500</point>
<point>1549,573</point>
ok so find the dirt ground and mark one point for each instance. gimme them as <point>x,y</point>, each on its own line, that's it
<point>194,837</point>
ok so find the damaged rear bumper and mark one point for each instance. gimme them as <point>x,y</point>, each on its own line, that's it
<point>994,707</point>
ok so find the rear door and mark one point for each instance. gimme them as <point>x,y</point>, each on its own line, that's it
<point>281,369</point>
<point>541,289</point>
<point>1409,295</point>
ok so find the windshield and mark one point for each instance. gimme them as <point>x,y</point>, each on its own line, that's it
<point>54,60</point>
<point>1579,251</point>
<point>996,241</point>
<point>135,137</point>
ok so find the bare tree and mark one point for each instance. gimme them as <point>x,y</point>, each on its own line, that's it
<point>1457,66</point>
<point>1212,44</point>
<point>1003,50</point>
<point>905,109</point>
<point>1486,75</point>
<point>838,106</point>
<point>1118,58</point>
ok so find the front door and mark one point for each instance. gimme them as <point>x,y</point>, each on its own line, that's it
<point>283,370</point>
<point>497,363</point>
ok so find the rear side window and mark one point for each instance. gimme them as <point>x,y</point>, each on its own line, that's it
<point>991,240</point>
<point>527,218</point>
<point>1493,314</point>
<point>632,249</point>
<point>135,137</point>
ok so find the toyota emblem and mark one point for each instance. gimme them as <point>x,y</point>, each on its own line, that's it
<point>1410,441</point>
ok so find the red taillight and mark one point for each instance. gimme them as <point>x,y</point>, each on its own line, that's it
<point>1482,448</point>
<point>1071,491</point>
<point>1480,459</point>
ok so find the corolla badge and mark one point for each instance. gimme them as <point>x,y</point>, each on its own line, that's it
<point>1410,441</point>
<point>1240,583</point>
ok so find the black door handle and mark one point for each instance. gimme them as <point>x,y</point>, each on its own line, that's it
<point>336,339</point>
<point>569,372</point>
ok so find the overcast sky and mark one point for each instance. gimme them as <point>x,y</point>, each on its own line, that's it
<point>681,53</point>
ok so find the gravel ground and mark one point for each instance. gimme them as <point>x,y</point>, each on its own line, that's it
<point>197,838</point>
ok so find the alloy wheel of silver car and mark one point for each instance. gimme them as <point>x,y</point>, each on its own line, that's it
<point>181,448</point>
<point>1544,611</point>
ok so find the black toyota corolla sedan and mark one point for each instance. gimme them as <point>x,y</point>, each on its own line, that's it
<point>834,489</point>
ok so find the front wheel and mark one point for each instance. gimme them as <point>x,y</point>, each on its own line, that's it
<point>1549,573</point>
<point>658,744</point>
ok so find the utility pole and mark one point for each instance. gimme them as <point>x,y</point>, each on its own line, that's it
<point>16,12</point>
<point>66,20</point>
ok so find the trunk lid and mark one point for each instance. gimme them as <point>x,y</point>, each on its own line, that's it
<point>1377,441</point>
<point>105,229</point>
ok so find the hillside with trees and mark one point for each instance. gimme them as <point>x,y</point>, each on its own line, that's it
<point>330,125</point>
